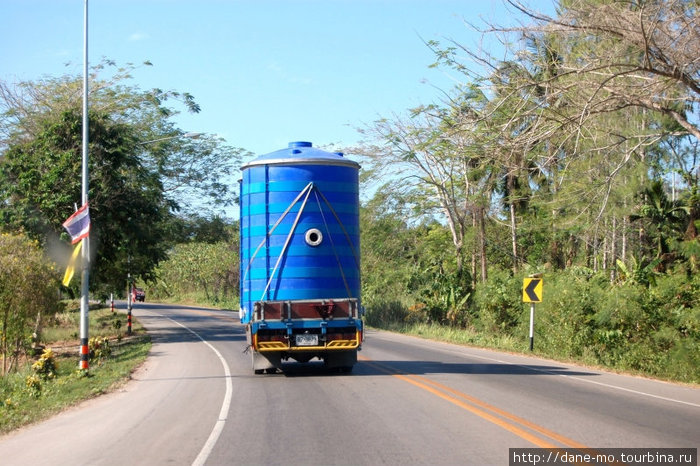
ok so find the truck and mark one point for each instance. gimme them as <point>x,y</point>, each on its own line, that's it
<point>300,258</point>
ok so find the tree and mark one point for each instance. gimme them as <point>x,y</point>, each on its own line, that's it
<point>199,229</point>
<point>586,103</point>
<point>40,182</point>
<point>211,269</point>
<point>189,169</point>
<point>391,255</point>
<point>665,219</point>
<point>408,149</point>
<point>620,54</point>
<point>142,171</point>
<point>439,156</point>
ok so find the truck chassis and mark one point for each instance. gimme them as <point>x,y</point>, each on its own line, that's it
<point>327,329</point>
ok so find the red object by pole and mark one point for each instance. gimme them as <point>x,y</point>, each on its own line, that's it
<point>84,354</point>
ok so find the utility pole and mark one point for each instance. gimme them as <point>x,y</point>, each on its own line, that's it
<point>85,276</point>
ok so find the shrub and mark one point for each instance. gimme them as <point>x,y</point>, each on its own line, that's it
<point>99,348</point>
<point>385,313</point>
<point>46,366</point>
<point>498,302</point>
<point>33,385</point>
<point>445,298</point>
<point>28,284</point>
<point>653,328</point>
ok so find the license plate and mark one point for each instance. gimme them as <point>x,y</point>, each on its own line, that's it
<point>307,340</point>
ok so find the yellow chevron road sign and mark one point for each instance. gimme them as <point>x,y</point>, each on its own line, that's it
<point>532,290</point>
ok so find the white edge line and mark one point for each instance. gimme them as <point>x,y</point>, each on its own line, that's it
<point>581,379</point>
<point>615,387</point>
<point>219,426</point>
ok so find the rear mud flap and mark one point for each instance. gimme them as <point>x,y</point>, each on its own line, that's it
<point>340,359</point>
<point>266,361</point>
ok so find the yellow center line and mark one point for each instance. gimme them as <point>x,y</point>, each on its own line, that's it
<point>481,413</point>
<point>524,422</point>
<point>484,410</point>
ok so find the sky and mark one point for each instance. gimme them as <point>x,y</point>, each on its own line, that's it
<point>264,72</point>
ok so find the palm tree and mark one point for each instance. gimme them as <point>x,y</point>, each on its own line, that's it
<point>667,219</point>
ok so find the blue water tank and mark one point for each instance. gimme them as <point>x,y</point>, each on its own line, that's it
<point>300,227</point>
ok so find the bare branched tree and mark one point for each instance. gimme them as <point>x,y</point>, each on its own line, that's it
<point>617,54</point>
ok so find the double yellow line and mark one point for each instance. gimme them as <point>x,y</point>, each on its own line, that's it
<point>523,428</point>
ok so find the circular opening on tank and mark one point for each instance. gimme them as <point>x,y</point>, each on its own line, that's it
<point>313,237</point>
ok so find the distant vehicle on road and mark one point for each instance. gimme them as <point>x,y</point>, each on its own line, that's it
<point>137,294</point>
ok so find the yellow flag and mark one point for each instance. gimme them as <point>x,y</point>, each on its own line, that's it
<point>71,265</point>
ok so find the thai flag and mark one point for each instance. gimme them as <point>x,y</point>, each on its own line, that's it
<point>78,224</point>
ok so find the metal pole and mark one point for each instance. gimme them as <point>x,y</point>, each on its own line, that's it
<point>129,307</point>
<point>85,284</point>
<point>532,325</point>
<point>130,295</point>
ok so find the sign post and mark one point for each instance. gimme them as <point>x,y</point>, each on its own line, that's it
<point>532,326</point>
<point>532,293</point>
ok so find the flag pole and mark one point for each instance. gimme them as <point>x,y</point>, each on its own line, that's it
<point>85,276</point>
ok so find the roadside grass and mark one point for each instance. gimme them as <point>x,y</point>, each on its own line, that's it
<point>26,397</point>
<point>459,336</point>
<point>464,337</point>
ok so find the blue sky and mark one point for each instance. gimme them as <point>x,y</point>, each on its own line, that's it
<point>264,72</point>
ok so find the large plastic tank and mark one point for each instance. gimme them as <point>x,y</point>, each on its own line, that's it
<point>300,237</point>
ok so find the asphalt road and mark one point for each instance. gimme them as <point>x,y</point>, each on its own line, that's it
<point>408,401</point>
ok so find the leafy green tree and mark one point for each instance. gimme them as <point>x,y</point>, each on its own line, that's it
<point>390,251</point>
<point>142,168</point>
<point>190,169</point>
<point>40,180</point>
<point>199,229</point>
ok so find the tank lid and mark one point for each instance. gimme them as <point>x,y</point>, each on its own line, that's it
<point>301,153</point>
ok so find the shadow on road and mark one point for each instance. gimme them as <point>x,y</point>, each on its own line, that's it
<point>209,333</point>
<point>437,367</point>
<point>382,368</point>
